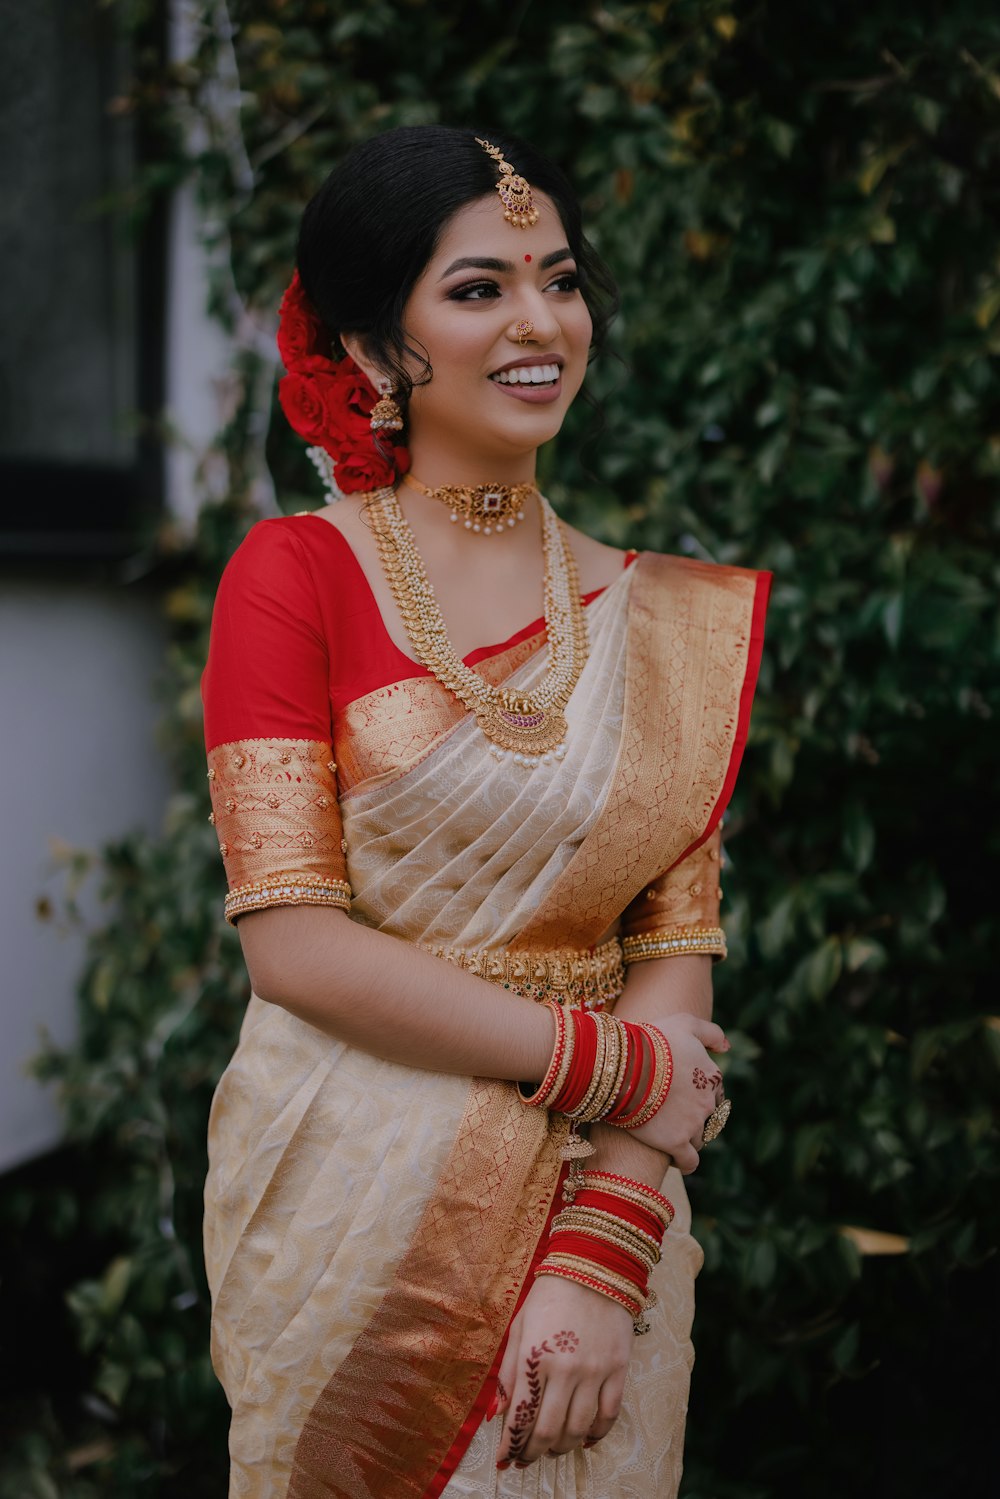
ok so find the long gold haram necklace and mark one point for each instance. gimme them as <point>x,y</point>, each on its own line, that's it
<point>529,726</point>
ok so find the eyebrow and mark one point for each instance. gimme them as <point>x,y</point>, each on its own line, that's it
<point>486,263</point>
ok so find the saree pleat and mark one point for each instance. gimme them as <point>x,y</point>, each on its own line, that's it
<point>369,1227</point>
<point>460,850</point>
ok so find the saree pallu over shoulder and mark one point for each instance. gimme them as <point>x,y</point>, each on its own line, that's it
<point>693,654</point>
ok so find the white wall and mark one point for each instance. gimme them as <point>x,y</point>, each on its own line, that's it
<point>78,759</point>
<point>78,764</point>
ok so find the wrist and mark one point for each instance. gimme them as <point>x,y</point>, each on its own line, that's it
<point>608,1238</point>
<point>625,1155</point>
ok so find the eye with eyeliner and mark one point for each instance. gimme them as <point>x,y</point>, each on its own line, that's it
<point>467,292</point>
<point>486,291</point>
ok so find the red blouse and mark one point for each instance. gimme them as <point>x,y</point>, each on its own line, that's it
<point>292,591</point>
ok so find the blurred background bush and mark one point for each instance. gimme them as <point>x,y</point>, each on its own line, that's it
<point>801,203</point>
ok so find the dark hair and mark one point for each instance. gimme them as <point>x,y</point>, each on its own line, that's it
<point>369,232</point>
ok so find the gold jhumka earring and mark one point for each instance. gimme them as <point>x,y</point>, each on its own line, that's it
<point>386,415</point>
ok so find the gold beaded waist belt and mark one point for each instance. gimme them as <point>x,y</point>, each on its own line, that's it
<point>588,979</point>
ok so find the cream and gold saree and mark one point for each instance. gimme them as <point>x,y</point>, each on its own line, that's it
<point>370,1228</point>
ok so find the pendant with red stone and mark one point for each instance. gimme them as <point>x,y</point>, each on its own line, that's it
<point>529,733</point>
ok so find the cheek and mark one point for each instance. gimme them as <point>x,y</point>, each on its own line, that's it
<point>583,326</point>
<point>456,353</point>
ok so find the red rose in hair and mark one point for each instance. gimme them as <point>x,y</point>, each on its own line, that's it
<point>359,392</point>
<point>329,402</point>
<point>363,469</point>
<point>300,332</point>
<point>301,398</point>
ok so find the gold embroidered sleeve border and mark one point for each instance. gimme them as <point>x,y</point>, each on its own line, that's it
<point>275,810</point>
<point>678,912</point>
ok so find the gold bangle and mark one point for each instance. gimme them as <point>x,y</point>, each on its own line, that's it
<point>599,1272</point>
<point>648,1253</point>
<point>607,1075</point>
<point>617,1082</point>
<point>627,1194</point>
<point>631,1302</point>
<point>675,942</point>
<point>598,1218</point>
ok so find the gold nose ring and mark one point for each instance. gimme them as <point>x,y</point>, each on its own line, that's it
<point>523,329</point>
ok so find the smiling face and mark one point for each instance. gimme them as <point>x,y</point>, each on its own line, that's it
<point>497,392</point>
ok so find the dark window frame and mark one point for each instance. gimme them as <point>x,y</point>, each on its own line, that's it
<point>61,511</point>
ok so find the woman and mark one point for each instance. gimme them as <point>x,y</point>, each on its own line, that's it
<point>435,845</point>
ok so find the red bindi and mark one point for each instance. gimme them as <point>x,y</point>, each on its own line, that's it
<point>527,260</point>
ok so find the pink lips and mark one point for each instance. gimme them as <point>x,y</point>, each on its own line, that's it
<point>537,395</point>
<point>534,394</point>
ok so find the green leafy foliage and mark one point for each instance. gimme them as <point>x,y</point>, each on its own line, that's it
<point>801,206</point>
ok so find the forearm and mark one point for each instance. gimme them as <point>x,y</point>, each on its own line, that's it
<point>392,999</point>
<point>677,985</point>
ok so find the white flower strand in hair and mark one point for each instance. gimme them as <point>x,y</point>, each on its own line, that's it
<point>323,464</point>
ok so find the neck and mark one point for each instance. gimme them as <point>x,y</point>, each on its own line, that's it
<point>434,465</point>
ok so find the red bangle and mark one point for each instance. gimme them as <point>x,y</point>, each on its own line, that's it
<point>599,1252</point>
<point>629,1212</point>
<point>558,1052</point>
<point>594,1179</point>
<point>581,1072</point>
<point>651,1104</point>
<point>644,1046</point>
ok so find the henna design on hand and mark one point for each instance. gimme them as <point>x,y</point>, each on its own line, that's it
<point>501,1392</point>
<point>566,1341</point>
<point>524,1416</point>
<point>701,1081</point>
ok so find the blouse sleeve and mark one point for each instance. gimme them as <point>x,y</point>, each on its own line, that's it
<point>268,730</point>
<point>678,914</point>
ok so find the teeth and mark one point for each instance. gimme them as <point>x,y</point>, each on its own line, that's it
<point>535,374</point>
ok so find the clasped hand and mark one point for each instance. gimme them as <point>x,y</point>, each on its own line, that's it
<point>676,1129</point>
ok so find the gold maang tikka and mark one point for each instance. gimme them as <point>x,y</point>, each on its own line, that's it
<point>515,192</point>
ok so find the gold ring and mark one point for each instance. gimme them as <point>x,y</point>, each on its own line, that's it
<point>716,1121</point>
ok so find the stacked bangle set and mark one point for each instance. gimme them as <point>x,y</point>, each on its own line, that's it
<point>598,1068</point>
<point>609,1236</point>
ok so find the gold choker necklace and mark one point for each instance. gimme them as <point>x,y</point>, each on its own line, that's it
<point>483,508</point>
<point>530,726</point>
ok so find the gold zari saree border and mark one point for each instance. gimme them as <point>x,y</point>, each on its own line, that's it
<point>387,1418</point>
<point>688,655</point>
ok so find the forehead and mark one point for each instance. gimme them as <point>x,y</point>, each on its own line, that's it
<point>479,228</point>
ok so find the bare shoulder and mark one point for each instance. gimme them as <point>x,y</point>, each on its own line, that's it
<point>343,515</point>
<point>597,563</point>
<point>348,517</point>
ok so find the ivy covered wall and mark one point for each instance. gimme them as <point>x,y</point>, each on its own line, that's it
<point>801,203</point>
